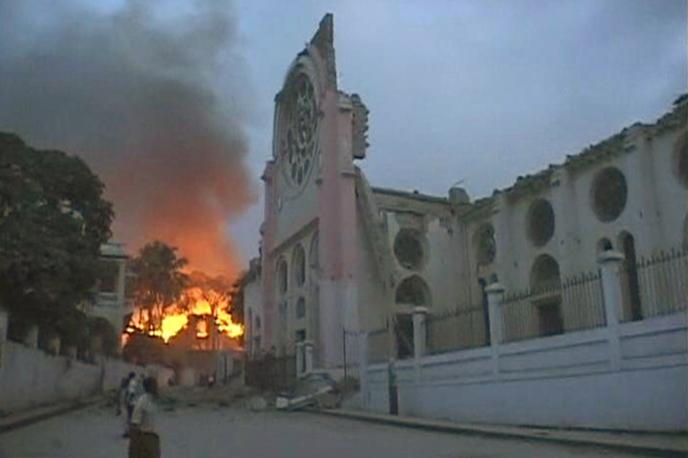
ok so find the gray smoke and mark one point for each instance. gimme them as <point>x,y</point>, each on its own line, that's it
<point>153,95</point>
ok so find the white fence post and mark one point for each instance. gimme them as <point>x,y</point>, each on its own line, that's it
<point>419,337</point>
<point>308,355</point>
<point>610,267</point>
<point>300,359</point>
<point>495,296</point>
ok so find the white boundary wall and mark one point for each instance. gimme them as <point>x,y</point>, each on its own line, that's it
<point>569,380</point>
<point>31,377</point>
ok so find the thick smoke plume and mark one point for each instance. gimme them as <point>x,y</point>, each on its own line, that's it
<point>153,96</point>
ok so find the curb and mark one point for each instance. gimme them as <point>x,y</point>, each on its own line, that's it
<point>22,419</point>
<point>497,432</point>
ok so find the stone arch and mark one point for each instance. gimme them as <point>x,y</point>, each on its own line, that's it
<point>282,277</point>
<point>541,222</point>
<point>300,308</point>
<point>609,194</point>
<point>544,275</point>
<point>298,265</point>
<point>545,284</point>
<point>313,257</point>
<point>413,291</point>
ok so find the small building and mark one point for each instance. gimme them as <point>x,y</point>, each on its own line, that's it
<point>113,300</point>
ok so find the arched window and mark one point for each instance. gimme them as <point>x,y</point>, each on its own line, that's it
<point>545,284</point>
<point>632,305</point>
<point>313,259</point>
<point>544,275</point>
<point>298,265</point>
<point>300,308</point>
<point>282,277</point>
<point>413,291</point>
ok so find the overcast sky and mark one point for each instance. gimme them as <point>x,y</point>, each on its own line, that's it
<point>478,91</point>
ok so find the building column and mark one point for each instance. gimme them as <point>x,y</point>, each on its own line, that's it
<point>299,359</point>
<point>419,338</point>
<point>495,296</point>
<point>610,268</point>
<point>308,355</point>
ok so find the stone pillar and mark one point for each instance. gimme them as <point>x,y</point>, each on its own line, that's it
<point>31,337</point>
<point>610,267</point>
<point>419,339</point>
<point>363,367</point>
<point>419,331</point>
<point>299,359</point>
<point>495,296</point>
<point>308,355</point>
<point>4,324</point>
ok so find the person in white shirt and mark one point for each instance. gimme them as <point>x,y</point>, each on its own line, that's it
<point>144,441</point>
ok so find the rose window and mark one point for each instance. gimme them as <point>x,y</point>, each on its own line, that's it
<point>299,140</point>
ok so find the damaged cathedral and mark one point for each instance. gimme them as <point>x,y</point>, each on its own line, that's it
<point>348,271</point>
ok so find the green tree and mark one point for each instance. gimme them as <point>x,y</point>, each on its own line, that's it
<point>53,220</point>
<point>159,279</point>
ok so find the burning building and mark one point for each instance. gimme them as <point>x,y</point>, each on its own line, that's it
<point>200,319</point>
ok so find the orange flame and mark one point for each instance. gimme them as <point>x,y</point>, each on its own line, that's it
<point>174,319</point>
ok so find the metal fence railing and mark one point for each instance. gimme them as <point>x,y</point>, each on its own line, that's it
<point>456,330</point>
<point>575,304</point>
<point>662,285</point>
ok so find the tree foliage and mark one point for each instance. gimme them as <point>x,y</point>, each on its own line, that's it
<point>53,220</point>
<point>159,277</point>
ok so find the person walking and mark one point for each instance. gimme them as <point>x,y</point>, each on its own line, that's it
<point>126,400</point>
<point>144,441</point>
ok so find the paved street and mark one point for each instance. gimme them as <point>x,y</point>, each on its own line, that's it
<point>223,432</point>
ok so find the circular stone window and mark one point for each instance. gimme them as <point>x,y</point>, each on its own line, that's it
<point>408,248</point>
<point>485,245</point>
<point>540,222</point>
<point>298,126</point>
<point>609,194</point>
<point>682,160</point>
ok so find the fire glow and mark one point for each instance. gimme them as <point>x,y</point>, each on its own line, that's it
<point>166,323</point>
